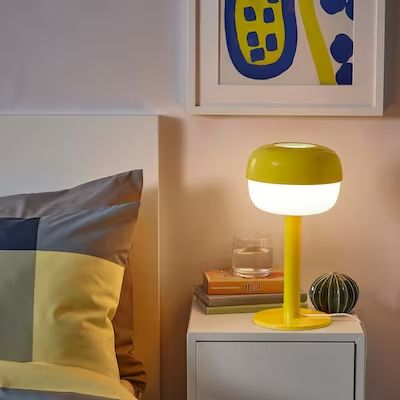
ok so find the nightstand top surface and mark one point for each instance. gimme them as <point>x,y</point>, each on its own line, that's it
<point>240,325</point>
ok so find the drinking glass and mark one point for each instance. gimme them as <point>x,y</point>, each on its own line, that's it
<point>252,255</point>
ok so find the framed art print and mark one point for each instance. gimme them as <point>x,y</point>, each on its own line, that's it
<point>286,57</point>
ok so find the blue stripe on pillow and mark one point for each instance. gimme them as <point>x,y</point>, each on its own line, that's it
<point>18,233</point>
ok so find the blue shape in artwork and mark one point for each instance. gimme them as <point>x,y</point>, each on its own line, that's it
<point>257,54</point>
<point>333,6</point>
<point>273,1</point>
<point>289,44</point>
<point>350,9</point>
<point>342,48</point>
<point>344,76</point>
<point>18,233</point>
<point>252,39</point>
<point>249,14</point>
<point>271,42</point>
<point>269,15</point>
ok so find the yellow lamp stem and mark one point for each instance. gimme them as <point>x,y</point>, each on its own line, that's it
<point>292,252</point>
<point>291,316</point>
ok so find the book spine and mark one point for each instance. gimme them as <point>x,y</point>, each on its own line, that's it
<point>240,309</point>
<point>255,287</point>
<point>240,299</point>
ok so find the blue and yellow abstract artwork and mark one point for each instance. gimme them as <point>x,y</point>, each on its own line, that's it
<point>287,42</point>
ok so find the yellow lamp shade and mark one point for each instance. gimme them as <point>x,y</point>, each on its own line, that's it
<point>294,164</point>
<point>294,178</point>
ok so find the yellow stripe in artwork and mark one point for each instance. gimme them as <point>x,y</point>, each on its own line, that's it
<point>316,41</point>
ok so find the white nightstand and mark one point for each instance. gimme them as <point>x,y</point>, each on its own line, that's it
<point>230,358</point>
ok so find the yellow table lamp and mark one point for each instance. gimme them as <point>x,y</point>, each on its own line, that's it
<point>293,179</point>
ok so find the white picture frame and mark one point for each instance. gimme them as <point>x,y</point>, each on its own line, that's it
<point>207,96</point>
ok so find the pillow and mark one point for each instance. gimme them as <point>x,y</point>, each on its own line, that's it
<point>60,282</point>
<point>113,190</point>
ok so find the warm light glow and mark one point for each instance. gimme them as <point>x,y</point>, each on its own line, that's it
<point>293,199</point>
<point>294,145</point>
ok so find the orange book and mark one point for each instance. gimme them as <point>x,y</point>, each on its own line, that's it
<point>223,281</point>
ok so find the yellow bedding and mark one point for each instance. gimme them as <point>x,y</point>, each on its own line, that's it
<point>39,381</point>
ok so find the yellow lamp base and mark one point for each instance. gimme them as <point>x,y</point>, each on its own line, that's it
<point>274,319</point>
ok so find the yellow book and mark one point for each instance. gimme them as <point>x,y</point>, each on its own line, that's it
<point>223,281</point>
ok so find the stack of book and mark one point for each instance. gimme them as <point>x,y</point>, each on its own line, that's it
<point>223,292</point>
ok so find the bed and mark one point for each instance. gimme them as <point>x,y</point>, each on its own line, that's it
<point>47,153</point>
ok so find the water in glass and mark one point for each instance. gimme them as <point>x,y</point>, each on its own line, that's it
<point>252,256</point>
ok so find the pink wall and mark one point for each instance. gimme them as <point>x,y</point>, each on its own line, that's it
<point>205,202</point>
<point>120,56</point>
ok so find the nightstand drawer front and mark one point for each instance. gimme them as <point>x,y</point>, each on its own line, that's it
<point>275,370</point>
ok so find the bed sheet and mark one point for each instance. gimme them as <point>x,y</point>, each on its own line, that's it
<point>42,381</point>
